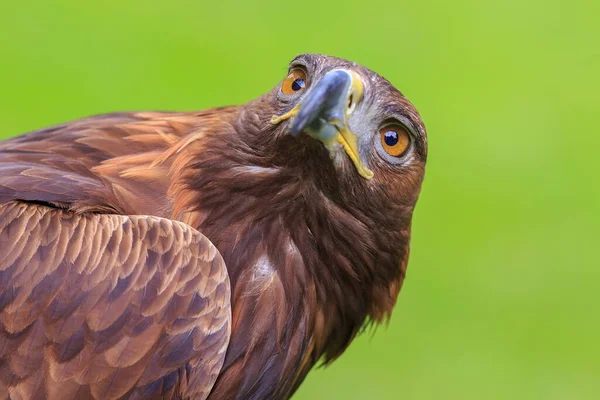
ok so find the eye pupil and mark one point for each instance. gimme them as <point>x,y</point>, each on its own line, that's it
<point>298,84</point>
<point>390,138</point>
<point>295,82</point>
<point>394,140</point>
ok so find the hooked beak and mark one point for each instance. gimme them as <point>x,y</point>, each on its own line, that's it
<point>324,111</point>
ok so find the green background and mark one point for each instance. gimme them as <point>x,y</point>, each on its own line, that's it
<point>502,295</point>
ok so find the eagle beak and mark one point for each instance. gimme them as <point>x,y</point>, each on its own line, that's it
<point>324,111</point>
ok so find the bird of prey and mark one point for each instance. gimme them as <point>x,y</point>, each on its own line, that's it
<point>217,254</point>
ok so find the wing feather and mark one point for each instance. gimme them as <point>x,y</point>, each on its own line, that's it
<point>105,306</point>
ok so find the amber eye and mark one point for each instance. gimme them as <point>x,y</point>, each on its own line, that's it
<point>295,82</point>
<point>394,139</point>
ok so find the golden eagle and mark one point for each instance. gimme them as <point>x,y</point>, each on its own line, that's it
<point>216,254</point>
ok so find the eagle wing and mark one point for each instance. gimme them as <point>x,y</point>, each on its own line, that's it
<point>104,306</point>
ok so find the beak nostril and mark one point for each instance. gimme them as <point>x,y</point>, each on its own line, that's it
<point>350,101</point>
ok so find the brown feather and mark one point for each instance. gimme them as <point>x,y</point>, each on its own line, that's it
<point>93,332</point>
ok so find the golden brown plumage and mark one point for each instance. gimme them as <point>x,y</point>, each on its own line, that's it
<point>104,305</point>
<point>109,282</point>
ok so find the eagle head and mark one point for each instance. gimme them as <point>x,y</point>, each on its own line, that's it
<point>339,153</point>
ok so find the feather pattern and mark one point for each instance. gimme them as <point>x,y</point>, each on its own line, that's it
<point>106,323</point>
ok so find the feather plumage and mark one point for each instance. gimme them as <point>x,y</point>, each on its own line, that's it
<point>121,235</point>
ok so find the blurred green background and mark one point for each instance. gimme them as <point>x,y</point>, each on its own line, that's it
<point>502,295</point>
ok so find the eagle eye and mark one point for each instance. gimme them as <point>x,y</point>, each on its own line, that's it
<point>394,140</point>
<point>294,82</point>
